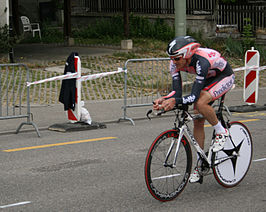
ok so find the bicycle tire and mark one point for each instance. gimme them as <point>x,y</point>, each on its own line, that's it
<point>166,183</point>
<point>231,172</point>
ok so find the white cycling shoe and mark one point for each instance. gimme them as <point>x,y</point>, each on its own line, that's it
<point>219,141</point>
<point>195,176</point>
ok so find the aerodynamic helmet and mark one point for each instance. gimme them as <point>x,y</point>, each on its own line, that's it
<point>182,46</point>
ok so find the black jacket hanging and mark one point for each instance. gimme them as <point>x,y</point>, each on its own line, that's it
<point>68,89</point>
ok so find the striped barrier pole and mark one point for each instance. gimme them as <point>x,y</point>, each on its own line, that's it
<point>251,76</point>
<point>250,68</point>
<point>61,77</point>
<point>100,75</point>
<point>80,78</point>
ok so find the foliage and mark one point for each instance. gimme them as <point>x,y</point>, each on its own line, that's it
<point>51,35</point>
<point>142,27</point>
<point>262,52</point>
<point>113,28</point>
<point>228,1</point>
<point>248,40</point>
<point>234,48</point>
<point>58,4</point>
<point>6,41</point>
<point>101,29</point>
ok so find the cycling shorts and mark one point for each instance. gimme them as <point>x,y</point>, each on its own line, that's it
<point>221,83</point>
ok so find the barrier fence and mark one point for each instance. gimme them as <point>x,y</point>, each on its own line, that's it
<point>143,81</point>
<point>13,78</point>
<point>75,115</point>
<point>109,87</point>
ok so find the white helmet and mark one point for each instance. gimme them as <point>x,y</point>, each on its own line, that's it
<point>182,46</point>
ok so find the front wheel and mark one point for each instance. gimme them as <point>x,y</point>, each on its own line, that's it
<point>239,148</point>
<point>166,180</point>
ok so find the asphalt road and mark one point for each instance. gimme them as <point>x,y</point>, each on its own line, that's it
<point>103,170</point>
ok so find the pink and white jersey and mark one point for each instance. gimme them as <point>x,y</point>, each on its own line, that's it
<point>210,69</point>
<point>204,58</point>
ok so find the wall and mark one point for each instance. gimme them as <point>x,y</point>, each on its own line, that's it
<point>202,23</point>
<point>195,23</point>
<point>4,12</point>
<point>30,9</point>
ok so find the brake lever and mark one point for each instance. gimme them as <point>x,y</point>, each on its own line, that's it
<point>148,114</point>
<point>157,114</point>
<point>151,111</point>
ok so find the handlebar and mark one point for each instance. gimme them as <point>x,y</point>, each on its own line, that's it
<point>177,107</point>
<point>185,114</point>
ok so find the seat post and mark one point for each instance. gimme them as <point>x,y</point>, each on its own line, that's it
<point>220,110</point>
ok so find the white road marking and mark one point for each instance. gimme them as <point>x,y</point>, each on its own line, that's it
<point>15,204</point>
<point>259,160</point>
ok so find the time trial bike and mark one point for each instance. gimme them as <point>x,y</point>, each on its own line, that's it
<point>169,159</point>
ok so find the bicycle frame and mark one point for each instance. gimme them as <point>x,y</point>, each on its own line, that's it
<point>184,129</point>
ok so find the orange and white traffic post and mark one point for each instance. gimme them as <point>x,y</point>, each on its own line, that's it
<point>251,76</point>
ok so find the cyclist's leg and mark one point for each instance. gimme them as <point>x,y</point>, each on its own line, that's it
<point>198,130</point>
<point>199,133</point>
<point>216,87</point>
<point>202,105</point>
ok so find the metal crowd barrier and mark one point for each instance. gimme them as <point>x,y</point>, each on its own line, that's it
<point>13,91</point>
<point>145,80</point>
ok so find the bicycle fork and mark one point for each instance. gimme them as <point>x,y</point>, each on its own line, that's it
<point>181,133</point>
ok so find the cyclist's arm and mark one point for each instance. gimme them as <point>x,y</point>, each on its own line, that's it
<point>202,68</point>
<point>176,87</point>
<point>176,91</point>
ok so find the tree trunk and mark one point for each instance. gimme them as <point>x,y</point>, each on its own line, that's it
<point>67,18</point>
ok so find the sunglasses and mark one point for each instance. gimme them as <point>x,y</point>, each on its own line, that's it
<point>176,59</point>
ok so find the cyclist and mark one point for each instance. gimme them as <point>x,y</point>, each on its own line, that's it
<point>214,77</point>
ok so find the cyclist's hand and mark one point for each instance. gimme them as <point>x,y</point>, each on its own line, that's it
<point>168,104</point>
<point>157,103</point>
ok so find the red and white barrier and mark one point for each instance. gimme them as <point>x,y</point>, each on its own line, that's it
<point>250,68</point>
<point>95,76</point>
<point>74,115</point>
<point>251,76</point>
<point>61,77</point>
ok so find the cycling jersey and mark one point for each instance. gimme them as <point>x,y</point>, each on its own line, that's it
<point>210,69</point>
